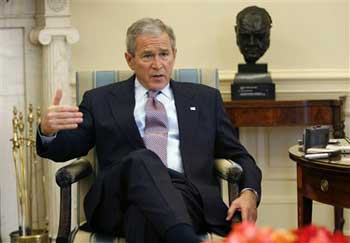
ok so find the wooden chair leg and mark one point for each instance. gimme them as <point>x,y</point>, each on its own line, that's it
<point>65,215</point>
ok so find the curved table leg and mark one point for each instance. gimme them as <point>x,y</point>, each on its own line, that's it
<point>304,211</point>
<point>338,219</point>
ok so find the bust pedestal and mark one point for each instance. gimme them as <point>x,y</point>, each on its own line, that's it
<point>252,82</point>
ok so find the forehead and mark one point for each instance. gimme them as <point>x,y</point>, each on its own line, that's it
<point>151,42</point>
<point>253,23</point>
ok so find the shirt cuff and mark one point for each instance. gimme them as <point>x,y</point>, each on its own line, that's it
<point>251,189</point>
<point>45,139</point>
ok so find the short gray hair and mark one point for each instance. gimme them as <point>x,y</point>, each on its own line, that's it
<point>147,26</point>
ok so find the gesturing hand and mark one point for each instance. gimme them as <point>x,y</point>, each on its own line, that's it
<point>60,117</point>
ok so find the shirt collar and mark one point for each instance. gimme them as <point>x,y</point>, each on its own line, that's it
<point>141,91</point>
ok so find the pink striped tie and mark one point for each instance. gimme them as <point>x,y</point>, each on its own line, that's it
<point>156,127</point>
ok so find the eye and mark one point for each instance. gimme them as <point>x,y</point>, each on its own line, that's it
<point>261,36</point>
<point>244,36</point>
<point>147,56</point>
<point>164,55</point>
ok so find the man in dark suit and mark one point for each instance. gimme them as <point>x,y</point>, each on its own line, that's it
<point>153,195</point>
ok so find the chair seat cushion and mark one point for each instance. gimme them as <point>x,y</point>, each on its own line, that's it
<point>81,236</point>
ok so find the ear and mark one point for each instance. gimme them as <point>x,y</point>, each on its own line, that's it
<point>130,60</point>
<point>174,52</point>
<point>237,37</point>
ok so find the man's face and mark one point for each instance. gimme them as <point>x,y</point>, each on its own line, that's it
<point>153,60</point>
<point>253,38</point>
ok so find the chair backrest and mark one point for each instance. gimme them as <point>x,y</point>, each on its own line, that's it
<point>86,80</point>
<point>205,76</point>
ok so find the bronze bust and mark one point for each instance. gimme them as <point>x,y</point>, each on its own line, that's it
<point>252,29</point>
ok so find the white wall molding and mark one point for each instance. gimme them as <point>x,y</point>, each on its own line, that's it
<point>57,5</point>
<point>299,83</point>
<point>44,36</point>
<point>297,74</point>
<point>272,200</point>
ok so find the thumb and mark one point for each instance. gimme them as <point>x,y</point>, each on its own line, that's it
<point>58,97</point>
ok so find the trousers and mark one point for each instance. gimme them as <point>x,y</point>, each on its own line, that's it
<point>142,199</point>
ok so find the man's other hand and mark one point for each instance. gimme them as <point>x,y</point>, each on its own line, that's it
<point>60,117</point>
<point>246,203</point>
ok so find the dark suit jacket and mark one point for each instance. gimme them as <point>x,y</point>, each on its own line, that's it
<point>205,133</point>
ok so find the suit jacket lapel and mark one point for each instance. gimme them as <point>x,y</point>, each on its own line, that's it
<point>122,103</point>
<point>187,116</point>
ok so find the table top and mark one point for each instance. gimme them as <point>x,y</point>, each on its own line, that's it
<point>282,103</point>
<point>340,162</point>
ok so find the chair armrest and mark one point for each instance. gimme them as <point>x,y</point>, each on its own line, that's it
<point>65,177</point>
<point>231,172</point>
<point>73,172</point>
<point>228,170</point>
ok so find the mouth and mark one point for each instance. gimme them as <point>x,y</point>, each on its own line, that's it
<point>255,52</point>
<point>157,76</point>
<point>251,49</point>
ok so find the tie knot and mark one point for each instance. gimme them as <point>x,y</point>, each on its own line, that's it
<point>153,93</point>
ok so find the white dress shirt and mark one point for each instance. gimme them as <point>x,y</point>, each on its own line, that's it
<point>166,96</point>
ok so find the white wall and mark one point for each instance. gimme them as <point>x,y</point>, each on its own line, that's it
<point>11,94</point>
<point>306,34</point>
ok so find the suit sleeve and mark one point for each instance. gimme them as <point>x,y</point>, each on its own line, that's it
<point>70,144</point>
<point>227,146</point>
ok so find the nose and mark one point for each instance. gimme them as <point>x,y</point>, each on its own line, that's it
<point>251,40</point>
<point>156,63</point>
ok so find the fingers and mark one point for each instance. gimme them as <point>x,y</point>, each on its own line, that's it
<point>232,209</point>
<point>63,117</point>
<point>58,127</point>
<point>58,97</point>
<point>65,121</point>
<point>64,112</point>
<point>249,214</point>
<point>60,117</point>
<point>246,203</point>
<point>56,121</point>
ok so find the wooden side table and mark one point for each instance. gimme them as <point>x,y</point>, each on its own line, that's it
<point>272,113</point>
<point>289,113</point>
<point>322,180</point>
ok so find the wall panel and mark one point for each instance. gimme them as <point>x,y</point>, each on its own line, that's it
<point>11,94</point>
